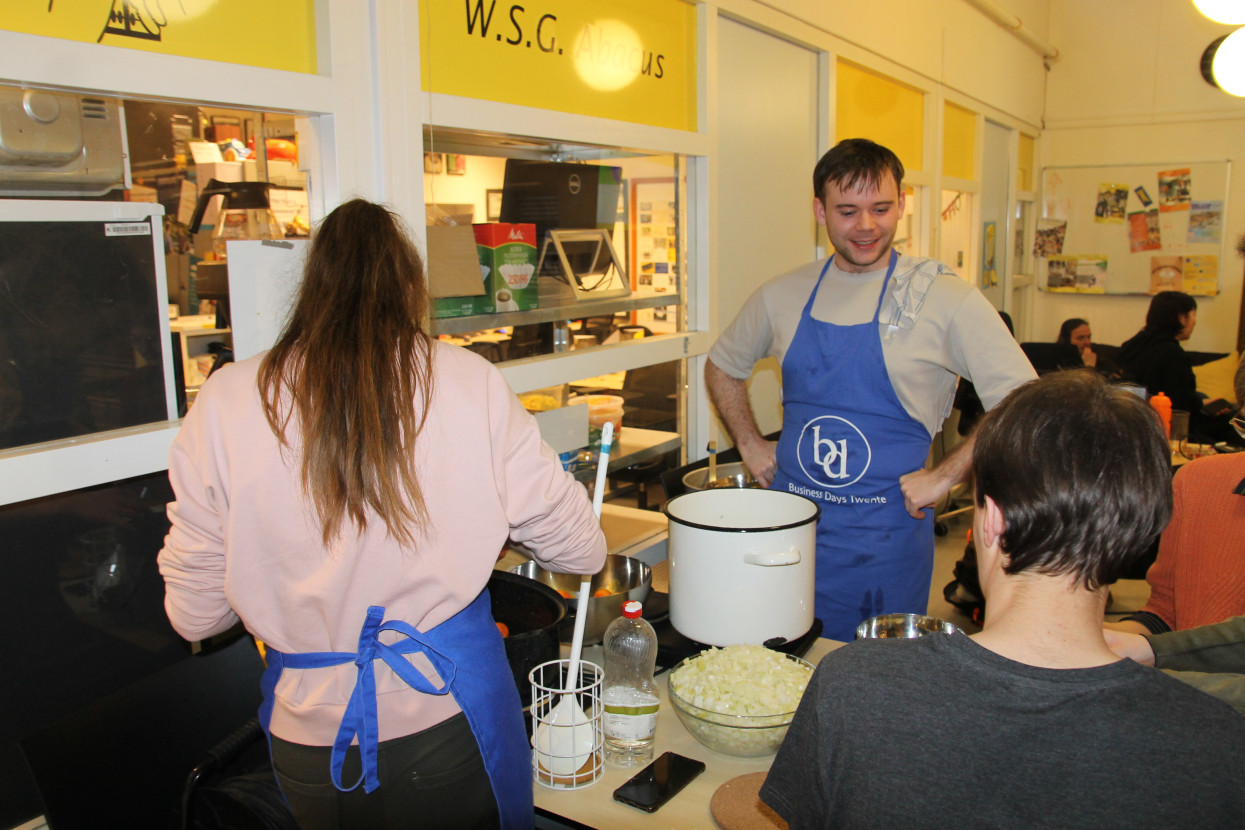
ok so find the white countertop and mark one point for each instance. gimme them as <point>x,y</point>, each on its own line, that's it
<point>595,806</point>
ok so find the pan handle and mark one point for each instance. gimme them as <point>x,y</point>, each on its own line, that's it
<point>769,560</point>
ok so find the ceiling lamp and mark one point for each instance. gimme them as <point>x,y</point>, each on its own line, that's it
<point>1223,63</point>
<point>1231,12</point>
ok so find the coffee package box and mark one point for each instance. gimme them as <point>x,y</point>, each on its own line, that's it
<point>508,265</point>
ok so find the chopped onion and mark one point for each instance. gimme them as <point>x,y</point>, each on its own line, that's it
<point>742,680</point>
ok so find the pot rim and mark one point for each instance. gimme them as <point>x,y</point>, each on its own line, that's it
<point>540,588</point>
<point>815,518</point>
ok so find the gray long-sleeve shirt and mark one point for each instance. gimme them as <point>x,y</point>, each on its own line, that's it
<point>1209,657</point>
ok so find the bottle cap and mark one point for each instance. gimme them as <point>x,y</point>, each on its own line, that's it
<point>632,609</point>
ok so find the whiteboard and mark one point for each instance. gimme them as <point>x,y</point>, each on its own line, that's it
<point>264,277</point>
<point>1133,229</point>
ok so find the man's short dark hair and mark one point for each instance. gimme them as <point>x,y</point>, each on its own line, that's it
<point>854,162</point>
<point>1081,471</point>
<point>1163,316</point>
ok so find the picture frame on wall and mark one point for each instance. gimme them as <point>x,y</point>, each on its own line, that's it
<point>434,162</point>
<point>455,164</point>
<point>492,205</point>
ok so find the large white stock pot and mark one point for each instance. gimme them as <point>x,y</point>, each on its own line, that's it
<point>742,563</point>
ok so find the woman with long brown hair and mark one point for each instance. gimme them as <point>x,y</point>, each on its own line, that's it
<point>345,495</point>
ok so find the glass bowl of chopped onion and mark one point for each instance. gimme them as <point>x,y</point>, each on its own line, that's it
<point>740,699</point>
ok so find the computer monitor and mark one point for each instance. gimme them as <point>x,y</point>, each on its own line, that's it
<point>555,195</point>
<point>84,328</point>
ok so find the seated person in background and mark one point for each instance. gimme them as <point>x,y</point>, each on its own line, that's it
<point>1034,721</point>
<point>1076,332</point>
<point>1154,358</point>
<point>1199,574</point>
<point>1209,657</point>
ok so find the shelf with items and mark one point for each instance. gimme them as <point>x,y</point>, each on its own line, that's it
<point>570,194</point>
<point>551,313</point>
<point>633,255</point>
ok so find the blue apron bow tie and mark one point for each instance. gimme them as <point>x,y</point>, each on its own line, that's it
<point>360,715</point>
<point>469,656</point>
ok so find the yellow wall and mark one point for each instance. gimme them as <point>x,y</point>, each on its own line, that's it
<point>1025,164</point>
<point>959,133</point>
<point>871,106</point>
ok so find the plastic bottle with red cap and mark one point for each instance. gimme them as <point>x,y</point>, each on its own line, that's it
<point>630,693</point>
<point>1163,406</point>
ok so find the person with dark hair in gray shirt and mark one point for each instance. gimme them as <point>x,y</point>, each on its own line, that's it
<point>1034,721</point>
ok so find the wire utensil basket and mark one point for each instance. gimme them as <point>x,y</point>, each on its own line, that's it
<point>567,754</point>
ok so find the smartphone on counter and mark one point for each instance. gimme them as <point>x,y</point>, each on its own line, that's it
<point>659,782</point>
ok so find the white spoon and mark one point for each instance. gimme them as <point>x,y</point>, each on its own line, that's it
<point>566,740</point>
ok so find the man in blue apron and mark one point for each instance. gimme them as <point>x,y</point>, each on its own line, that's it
<point>871,345</point>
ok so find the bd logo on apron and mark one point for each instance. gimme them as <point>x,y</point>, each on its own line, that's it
<point>833,452</point>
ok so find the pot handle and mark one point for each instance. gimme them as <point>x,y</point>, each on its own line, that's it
<point>769,560</point>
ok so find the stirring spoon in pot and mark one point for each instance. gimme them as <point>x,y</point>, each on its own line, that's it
<point>566,740</point>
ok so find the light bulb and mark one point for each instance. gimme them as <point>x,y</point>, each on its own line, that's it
<point>1231,12</point>
<point>1223,63</point>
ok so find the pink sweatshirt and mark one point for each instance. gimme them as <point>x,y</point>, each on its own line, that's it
<point>244,543</point>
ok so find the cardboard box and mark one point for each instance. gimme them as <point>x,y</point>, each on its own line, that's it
<point>454,273</point>
<point>453,306</point>
<point>507,254</point>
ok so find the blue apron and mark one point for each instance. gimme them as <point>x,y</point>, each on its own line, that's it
<point>846,440</point>
<point>468,654</point>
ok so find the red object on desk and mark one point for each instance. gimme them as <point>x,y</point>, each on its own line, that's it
<point>1163,406</point>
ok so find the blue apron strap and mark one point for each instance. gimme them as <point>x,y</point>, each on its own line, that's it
<point>359,718</point>
<point>482,686</point>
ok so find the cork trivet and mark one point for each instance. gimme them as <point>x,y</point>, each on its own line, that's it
<point>737,805</point>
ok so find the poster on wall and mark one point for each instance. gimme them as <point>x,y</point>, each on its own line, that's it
<point>1205,221</point>
<point>1143,231</point>
<point>1166,273</point>
<point>1175,189</point>
<point>655,245</point>
<point>989,269</point>
<point>1048,240</point>
<point>1111,203</point>
<point>1077,274</point>
<point>1201,275</point>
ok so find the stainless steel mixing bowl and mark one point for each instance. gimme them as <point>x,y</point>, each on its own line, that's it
<point>621,579</point>
<point>902,627</point>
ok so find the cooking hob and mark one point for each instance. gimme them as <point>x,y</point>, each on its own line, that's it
<point>673,646</point>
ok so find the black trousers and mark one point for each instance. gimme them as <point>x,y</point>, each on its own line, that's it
<point>434,779</point>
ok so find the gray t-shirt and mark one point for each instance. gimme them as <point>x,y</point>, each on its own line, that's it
<point>934,326</point>
<point>941,732</point>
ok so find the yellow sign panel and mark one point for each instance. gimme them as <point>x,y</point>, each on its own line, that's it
<point>873,106</point>
<point>273,34</point>
<point>631,60</point>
